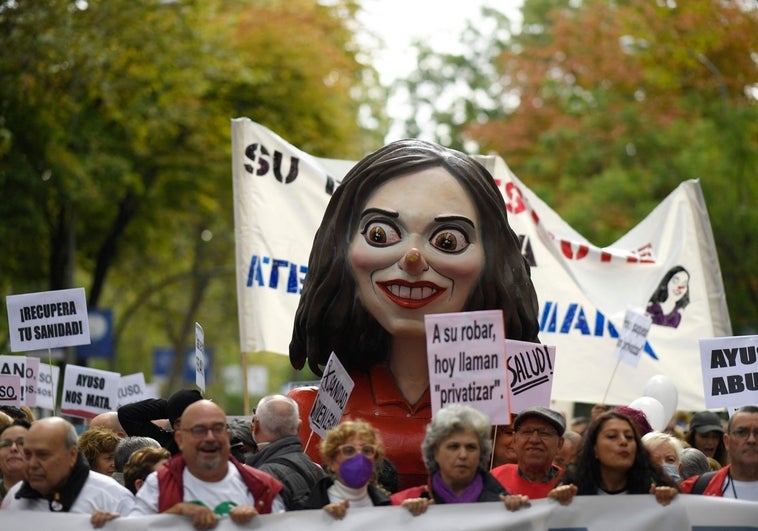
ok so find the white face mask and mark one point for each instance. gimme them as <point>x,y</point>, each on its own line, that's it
<point>672,470</point>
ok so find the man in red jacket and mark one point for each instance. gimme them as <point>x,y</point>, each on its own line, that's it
<point>738,479</point>
<point>204,482</point>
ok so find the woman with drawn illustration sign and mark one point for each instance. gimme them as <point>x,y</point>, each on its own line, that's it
<point>414,229</point>
<point>671,295</point>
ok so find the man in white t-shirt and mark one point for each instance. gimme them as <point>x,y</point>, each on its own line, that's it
<point>58,478</point>
<point>204,482</point>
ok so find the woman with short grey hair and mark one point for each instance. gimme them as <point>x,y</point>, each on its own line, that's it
<point>456,452</point>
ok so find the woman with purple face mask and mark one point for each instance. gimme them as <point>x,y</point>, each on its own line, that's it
<point>350,453</point>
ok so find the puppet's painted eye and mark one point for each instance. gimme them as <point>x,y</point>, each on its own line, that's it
<point>380,234</point>
<point>450,240</point>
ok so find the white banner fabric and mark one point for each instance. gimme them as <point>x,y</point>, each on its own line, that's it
<point>584,291</point>
<point>590,513</point>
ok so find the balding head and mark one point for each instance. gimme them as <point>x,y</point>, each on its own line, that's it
<point>108,420</point>
<point>51,451</point>
<point>204,440</point>
<point>275,417</point>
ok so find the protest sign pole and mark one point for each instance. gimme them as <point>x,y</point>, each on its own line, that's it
<point>52,383</point>
<point>610,380</point>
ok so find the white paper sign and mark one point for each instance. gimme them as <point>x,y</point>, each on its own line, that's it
<point>466,356</point>
<point>131,389</point>
<point>199,357</point>
<point>530,374</point>
<point>29,387</point>
<point>18,366</point>
<point>10,390</point>
<point>333,393</point>
<point>730,371</point>
<point>47,386</point>
<point>48,319</point>
<point>88,392</point>
<point>633,336</point>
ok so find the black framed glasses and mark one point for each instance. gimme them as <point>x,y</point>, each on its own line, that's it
<point>743,434</point>
<point>198,432</point>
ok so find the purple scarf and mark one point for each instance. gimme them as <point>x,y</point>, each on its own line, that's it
<point>469,495</point>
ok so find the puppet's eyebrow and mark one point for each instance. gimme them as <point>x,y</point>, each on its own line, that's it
<point>388,213</point>
<point>464,219</point>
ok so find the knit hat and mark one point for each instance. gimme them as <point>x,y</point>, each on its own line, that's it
<point>178,402</point>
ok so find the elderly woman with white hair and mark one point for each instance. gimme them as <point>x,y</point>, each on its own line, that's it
<point>456,452</point>
<point>666,450</point>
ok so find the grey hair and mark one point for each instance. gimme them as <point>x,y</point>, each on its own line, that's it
<point>654,439</point>
<point>278,415</point>
<point>127,446</point>
<point>693,462</point>
<point>449,420</point>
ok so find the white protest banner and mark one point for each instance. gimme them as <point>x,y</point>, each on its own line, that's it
<point>583,289</point>
<point>333,391</point>
<point>47,386</point>
<point>131,388</point>
<point>586,513</point>
<point>530,374</point>
<point>199,357</point>
<point>10,390</point>
<point>88,392</point>
<point>48,319</point>
<point>730,371</point>
<point>466,358</point>
<point>633,337</point>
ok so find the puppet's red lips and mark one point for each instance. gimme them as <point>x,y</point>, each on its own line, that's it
<point>411,295</point>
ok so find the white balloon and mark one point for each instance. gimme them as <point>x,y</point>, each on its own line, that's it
<point>652,409</point>
<point>662,388</point>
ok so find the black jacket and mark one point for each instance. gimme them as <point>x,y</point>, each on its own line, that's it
<point>136,419</point>
<point>285,460</point>
<point>320,495</point>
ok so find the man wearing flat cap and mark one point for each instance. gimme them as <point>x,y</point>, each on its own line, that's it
<point>538,437</point>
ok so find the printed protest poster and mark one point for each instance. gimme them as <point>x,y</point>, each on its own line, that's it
<point>10,390</point>
<point>199,357</point>
<point>26,369</point>
<point>131,389</point>
<point>730,371</point>
<point>88,392</point>
<point>530,374</point>
<point>633,336</point>
<point>48,319</point>
<point>333,392</point>
<point>47,386</point>
<point>466,356</point>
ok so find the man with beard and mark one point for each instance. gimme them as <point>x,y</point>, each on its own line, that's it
<point>204,482</point>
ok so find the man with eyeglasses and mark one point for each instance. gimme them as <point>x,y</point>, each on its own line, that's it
<point>538,438</point>
<point>205,482</point>
<point>738,479</point>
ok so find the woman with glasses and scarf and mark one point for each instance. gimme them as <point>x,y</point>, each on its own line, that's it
<point>456,452</point>
<point>12,460</point>
<point>351,454</point>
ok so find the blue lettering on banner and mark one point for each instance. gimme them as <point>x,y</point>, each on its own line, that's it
<point>267,272</point>
<point>575,318</point>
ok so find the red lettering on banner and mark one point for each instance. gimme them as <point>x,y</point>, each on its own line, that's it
<point>514,203</point>
<point>568,250</point>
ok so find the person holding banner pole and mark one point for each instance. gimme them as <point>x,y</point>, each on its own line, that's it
<point>613,461</point>
<point>413,229</point>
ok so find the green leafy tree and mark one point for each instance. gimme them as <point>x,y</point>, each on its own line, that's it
<point>115,148</point>
<point>603,108</point>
